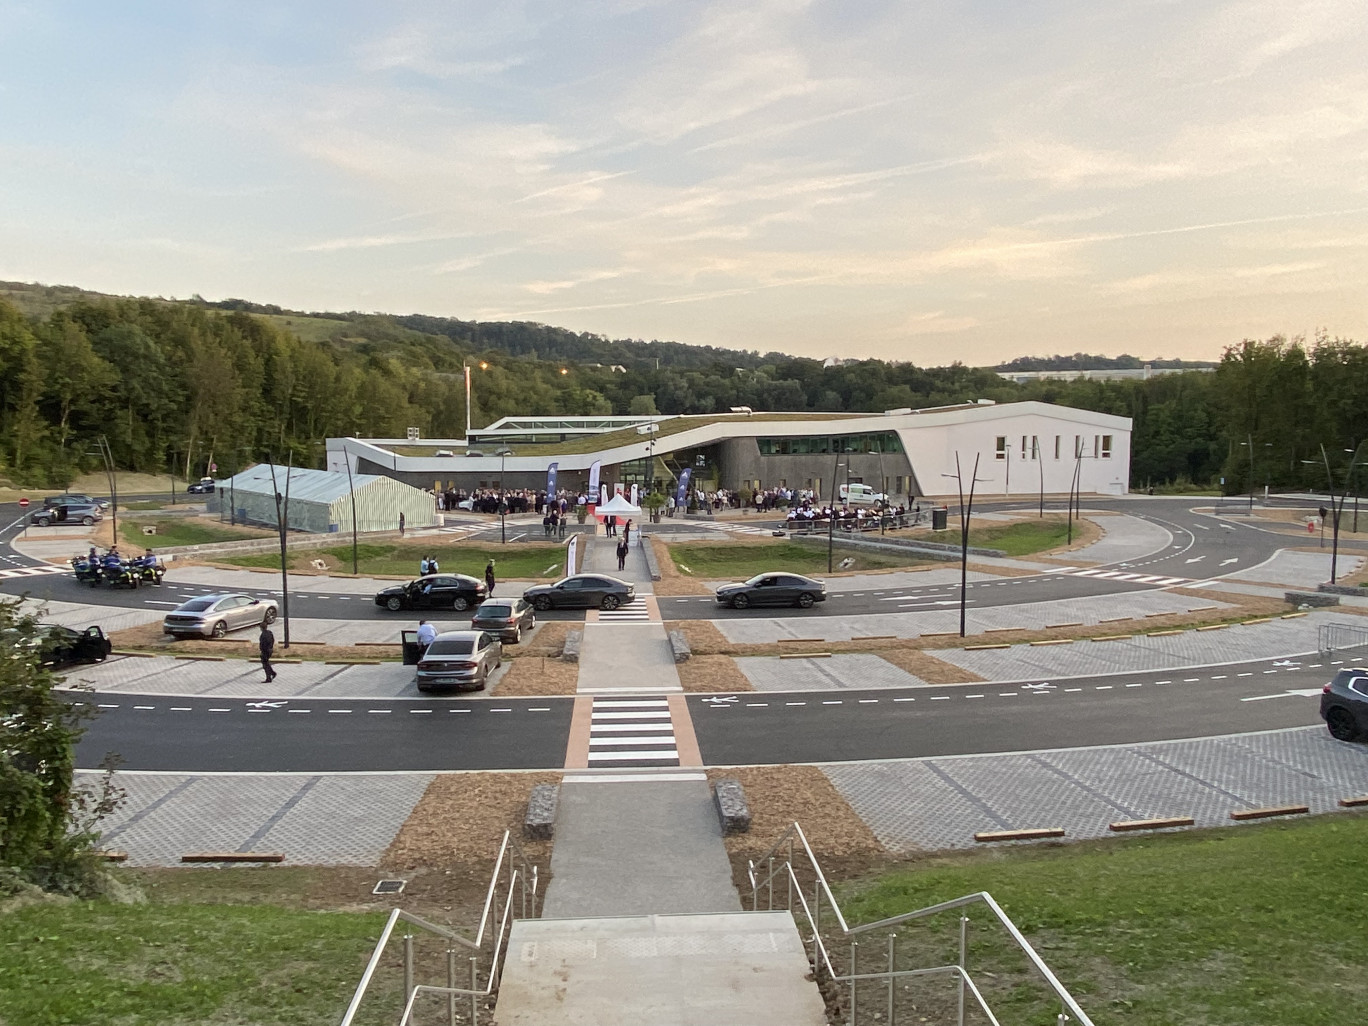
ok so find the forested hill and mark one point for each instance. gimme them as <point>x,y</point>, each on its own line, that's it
<point>174,383</point>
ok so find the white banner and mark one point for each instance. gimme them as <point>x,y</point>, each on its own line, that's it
<point>603,495</point>
<point>594,478</point>
<point>571,551</point>
<point>633,499</point>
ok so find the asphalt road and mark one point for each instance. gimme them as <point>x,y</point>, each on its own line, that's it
<point>193,734</point>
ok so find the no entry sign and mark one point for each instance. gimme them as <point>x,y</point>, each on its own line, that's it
<point>23,503</point>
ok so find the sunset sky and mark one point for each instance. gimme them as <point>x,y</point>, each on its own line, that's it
<point>928,181</point>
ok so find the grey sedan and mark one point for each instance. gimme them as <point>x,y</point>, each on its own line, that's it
<point>213,616</point>
<point>459,659</point>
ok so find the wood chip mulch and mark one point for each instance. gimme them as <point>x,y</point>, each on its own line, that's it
<point>537,675</point>
<point>712,673</point>
<point>672,582</point>
<point>461,818</point>
<point>779,796</point>
<point>928,667</point>
<point>703,637</point>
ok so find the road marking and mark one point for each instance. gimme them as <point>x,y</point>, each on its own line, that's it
<point>213,710</point>
<point>460,710</point>
<point>836,702</point>
<point>795,703</point>
<point>343,711</point>
<point>1163,682</point>
<point>144,707</point>
<point>1135,685</point>
<point>1007,694</point>
<point>1219,676</point>
<point>973,696</point>
<point>1189,680</point>
<point>412,712</point>
<point>1295,693</point>
<point>869,701</point>
<point>1067,690</point>
<point>181,708</point>
<point>379,712</point>
<point>904,699</point>
<point>538,708</point>
<point>1103,687</point>
<point>103,706</point>
<point>940,698</point>
<point>305,711</point>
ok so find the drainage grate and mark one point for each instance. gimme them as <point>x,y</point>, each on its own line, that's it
<point>389,887</point>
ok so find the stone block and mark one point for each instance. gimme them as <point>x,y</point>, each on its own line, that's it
<point>540,822</point>
<point>573,640</point>
<point>732,811</point>
<point>1310,598</point>
<point>679,645</point>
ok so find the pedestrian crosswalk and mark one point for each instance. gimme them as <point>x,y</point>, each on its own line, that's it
<point>631,732</point>
<point>1121,575</point>
<point>34,571</point>
<point>746,529</point>
<point>634,613</point>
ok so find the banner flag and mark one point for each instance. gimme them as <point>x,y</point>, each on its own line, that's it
<point>594,479</point>
<point>603,493</point>
<point>551,481</point>
<point>683,494</point>
<point>634,495</point>
<point>570,552</point>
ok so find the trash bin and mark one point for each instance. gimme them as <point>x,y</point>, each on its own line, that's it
<point>940,518</point>
<point>413,651</point>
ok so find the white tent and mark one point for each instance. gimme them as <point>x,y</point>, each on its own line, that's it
<point>617,506</point>
<point>321,500</point>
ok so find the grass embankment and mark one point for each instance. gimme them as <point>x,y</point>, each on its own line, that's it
<point>1256,926</point>
<point>741,560</point>
<point>173,531</point>
<point>1023,538</point>
<point>522,561</point>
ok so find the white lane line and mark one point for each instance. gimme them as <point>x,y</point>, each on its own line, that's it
<point>973,696</point>
<point>305,711</point>
<point>144,707</point>
<point>460,710</point>
<point>904,699</point>
<point>795,703</point>
<point>220,710</point>
<point>181,708</point>
<point>1219,676</point>
<point>1163,682</point>
<point>104,706</point>
<point>1103,687</point>
<point>538,708</point>
<point>379,712</point>
<point>627,728</point>
<point>757,705</point>
<point>836,702</point>
<point>869,701</point>
<point>412,712</point>
<point>1007,694</point>
<point>1135,685</point>
<point>1067,690</point>
<point>342,711</point>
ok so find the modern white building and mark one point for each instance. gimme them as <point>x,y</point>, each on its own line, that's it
<point>1022,449</point>
<point>320,501</point>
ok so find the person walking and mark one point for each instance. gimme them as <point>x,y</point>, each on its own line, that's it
<point>401,523</point>
<point>627,533</point>
<point>489,578</point>
<point>622,554</point>
<point>266,645</point>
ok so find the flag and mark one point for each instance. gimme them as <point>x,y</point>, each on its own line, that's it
<point>467,383</point>
<point>603,492</point>
<point>634,495</point>
<point>594,479</point>
<point>683,494</point>
<point>551,480</point>
<point>570,552</point>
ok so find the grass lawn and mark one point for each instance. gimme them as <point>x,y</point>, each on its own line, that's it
<point>1018,539</point>
<point>98,963</point>
<point>181,531</point>
<point>1256,926</point>
<point>521,561</point>
<point>742,560</point>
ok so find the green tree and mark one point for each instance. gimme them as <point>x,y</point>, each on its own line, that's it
<point>642,406</point>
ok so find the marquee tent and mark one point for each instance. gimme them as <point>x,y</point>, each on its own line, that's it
<point>321,500</point>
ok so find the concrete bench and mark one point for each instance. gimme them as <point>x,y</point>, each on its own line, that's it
<point>571,652</point>
<point>540,822</point>
<point>1310,598</point>
<point>679,646</point>
<point>732,811</point>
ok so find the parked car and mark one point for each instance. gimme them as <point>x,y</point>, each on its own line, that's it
<point>1344,704</point>
<point>68,497</point>
<point>505,618</point>
<point>773,589</point>
<point>458,659</point>
<point>59,646</point>
<point>85,513</point>
<point>203,486</point>
<point>213,616</point>
<point>581,591</point>
<point>861,495</point>
<point>435,591</point>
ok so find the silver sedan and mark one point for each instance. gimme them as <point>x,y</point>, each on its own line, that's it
<point>213,616</point>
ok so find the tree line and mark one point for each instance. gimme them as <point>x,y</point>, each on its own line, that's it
<point>174,385</point>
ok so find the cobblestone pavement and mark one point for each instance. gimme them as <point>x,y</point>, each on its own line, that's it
<point>943,616</point>
<point>939,803</point>
<point>340,820</point>
<point>839,672</point>
<point>81,615</point>
<point>1298,569</point>
<point>1240,643</point>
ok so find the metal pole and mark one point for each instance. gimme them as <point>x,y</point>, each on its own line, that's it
<point>892,954</point>
<point>408,967</point>
<point>854,953</point>
<point>963,964</point>
<point>281,513</point>
<point>831,520</point>
<point>351,489</point>
<point>1250,439</point>
<point>1035,453</point>
<point>474,998</point>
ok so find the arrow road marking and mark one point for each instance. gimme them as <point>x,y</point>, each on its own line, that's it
<point>1195,559</point>
<point>264,704</point>
<point>1232,559</point>
<point>720,701</point>
<point>1299,693</point>
<point>1038,687</point>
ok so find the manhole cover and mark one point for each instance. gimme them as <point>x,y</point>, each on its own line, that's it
<point>389,887</point>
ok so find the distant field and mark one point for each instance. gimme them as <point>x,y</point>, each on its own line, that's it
<point>310,329</point>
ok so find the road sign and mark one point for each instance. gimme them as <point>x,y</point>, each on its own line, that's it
<point>23,503</point>
<point>213,467</point>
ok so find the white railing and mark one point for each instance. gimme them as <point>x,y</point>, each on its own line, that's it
<point>807,903</point>
<point>518,888</point>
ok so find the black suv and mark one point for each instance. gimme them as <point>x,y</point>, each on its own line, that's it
<point>1344,704</point>
<point>70,497</point>
<point>67,513</point>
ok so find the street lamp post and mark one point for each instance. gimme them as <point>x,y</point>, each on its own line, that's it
<point>106,454</point>
<point>1035,455</point>
<point>1337,504</point>
<point>883,488</point>
<point>966,511</point>
<point>282,515</point>
<point>503,495</point>
<point>831,520</point>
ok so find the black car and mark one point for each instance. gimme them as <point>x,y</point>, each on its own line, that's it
<point>85,513</point>
<point>70,497</point>
<point>773,589</point>
<point>581,591</point>
<point>435,591</point>
<point>1344,704</point>
<point>505,618</point>
<point>60,646</point>
<point>203,486</point>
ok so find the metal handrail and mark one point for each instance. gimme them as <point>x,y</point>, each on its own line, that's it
<point>783,852</point>
<point>524,881</point>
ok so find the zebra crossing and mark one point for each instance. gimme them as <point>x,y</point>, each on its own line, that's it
<point>34,571</point>
<point>1122,575</point>
<point>745,529</point>
<point>627,732</point>
<point>636,612</point>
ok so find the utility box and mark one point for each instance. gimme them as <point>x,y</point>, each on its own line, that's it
<point>940,518</point>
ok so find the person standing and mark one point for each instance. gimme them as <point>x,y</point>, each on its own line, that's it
<point>627,533</point>
<point>622,554</point>
<point>426,634</point>
<point>489,578</point>
<point>423,567</point>
<point>401,523</point>
<point>266,645</point>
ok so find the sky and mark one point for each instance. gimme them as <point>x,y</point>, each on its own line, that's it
<point>930,181</point>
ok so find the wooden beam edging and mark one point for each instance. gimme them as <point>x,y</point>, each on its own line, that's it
<point>1126,825</point>
<point>1355,802</point>
<point>233,856</point>
<point>804,655</point>
<point>1269,812</point>
<point>988,836</point>
<point>981,648</point>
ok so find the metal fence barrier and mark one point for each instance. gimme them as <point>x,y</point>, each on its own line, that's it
<point>814,904</point>
<point>1332,637</point>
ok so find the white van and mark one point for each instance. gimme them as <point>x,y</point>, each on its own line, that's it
<point>861,495</point>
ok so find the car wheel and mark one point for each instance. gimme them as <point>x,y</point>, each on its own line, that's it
<point>484,677</point>
<point>542,602</point>
<point>805,600</point>
<point>610,602</point>
<point>43,521</point>
<point>87,521</point>
<point>220,629</point>
<point>270,617</point>
<point>460,603</point>
<point>740,602</point>
<point>517,635</point>
<point>393,604</point>
<point>1341,724</point>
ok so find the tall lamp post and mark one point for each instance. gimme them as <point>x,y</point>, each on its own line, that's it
<point>1035,455</point>
<point>106,454</point>
<point>282,504</point>
<point>831,520</point>
<point>883,487</point>
<point>503,455</point>
<point>1248,443</point>
<point>966,511</point>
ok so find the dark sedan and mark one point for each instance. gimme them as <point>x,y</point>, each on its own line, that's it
<point>505,618</point>
<point>581,591</point>
<point>435,591</point>
<point>56,645</point>
<point>1344,704</point>
<point>773,589</point>
<point>203,486</point>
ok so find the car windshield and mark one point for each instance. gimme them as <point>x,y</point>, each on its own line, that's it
<point>455,646</point>
<point>197,605</point>
<point>755,581</point>
<point>488,610</point>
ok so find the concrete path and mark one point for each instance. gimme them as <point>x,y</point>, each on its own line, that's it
<point>1125,538</point>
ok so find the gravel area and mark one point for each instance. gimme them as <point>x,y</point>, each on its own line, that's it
<point>537,675</point>
<point>712,673</point>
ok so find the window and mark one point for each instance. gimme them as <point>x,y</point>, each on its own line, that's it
<point>1078,446</point>
<point>1106,447</point>
<point>1001,453</point>
<point>1035,447</point>
<point>1023,447</point>
<point>1056,447</point>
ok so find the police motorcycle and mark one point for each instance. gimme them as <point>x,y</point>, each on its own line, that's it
<point>87,569</point>
<point>147,569</point>
<point>117,573</point>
